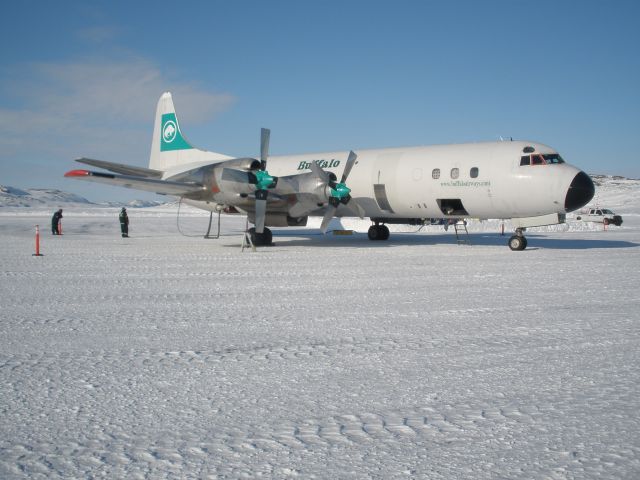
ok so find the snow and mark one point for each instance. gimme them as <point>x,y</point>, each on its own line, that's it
<point>172,356</point>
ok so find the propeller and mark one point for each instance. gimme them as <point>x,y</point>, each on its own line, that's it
<point>263,181</point>
<point>339,193</point>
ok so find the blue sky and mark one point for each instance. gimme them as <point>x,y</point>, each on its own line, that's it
<point>82,79</point>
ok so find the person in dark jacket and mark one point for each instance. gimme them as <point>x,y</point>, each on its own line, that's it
<point>55,222</point>
<point>124,222</point>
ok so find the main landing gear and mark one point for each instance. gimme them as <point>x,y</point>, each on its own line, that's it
<point>261,239</point>
<point>378,232</point>
<point>518,241</point>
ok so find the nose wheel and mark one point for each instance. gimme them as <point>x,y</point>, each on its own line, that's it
<point>518,241</point>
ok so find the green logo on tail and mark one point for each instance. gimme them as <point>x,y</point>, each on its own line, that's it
<point>171,138</point>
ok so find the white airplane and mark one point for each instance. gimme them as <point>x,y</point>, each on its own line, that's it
<point>526,182</point>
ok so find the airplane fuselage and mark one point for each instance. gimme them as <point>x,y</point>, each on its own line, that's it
<point>479,180</point>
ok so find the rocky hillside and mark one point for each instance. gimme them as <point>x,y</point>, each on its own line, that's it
<point>48,197</point>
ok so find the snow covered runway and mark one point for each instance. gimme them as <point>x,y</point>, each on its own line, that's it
<point>163,355</point>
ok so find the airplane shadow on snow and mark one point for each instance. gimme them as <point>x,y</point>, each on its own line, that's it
<point>306,238</point>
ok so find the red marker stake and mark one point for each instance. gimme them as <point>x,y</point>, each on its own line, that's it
<point>37,254</point>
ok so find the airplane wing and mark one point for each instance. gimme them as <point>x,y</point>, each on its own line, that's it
<point>163,187</point>
<point>121,168</point>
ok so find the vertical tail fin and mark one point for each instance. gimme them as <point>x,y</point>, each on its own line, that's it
<point>169,147</point>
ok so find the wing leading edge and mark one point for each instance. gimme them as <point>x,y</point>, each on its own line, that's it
<point>163,187</point>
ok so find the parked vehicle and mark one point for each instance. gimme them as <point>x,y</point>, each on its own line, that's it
<point>600,215</point>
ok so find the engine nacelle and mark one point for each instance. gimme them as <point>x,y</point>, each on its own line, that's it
<point>280,220</point>
<point>307,184</point>
<point>240,164</point>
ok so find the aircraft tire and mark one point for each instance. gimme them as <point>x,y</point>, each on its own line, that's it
<point>261,239</point>
<point>267,237</point>
<point>378,232</point>
<point>517,243</point>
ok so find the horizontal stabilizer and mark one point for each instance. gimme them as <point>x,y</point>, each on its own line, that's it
<point>121,168</point>
<point>162,187</point>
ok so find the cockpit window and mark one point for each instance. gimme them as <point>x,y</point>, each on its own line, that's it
<point>553,158</point>
<point>537,160</point>
<point>541,159</point>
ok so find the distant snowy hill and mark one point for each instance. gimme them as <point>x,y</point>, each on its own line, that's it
<point>38,197</point>
<point>48,197</point>
<point>617,193</point>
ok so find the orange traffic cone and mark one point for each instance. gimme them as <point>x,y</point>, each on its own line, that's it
<point>37,254</point>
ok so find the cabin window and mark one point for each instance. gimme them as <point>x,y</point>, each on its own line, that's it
<point>455,173</point>
<point>435,174</point>
<point>473,173</point>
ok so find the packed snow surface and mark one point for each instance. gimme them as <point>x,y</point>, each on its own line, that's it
<point>167,355</point>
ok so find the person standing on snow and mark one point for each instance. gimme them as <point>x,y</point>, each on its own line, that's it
<point>124,222</point>
<point>55,222</point>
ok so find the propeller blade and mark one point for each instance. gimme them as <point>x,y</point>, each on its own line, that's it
<point>331,211</point>
<point>261,210</point>
<point>298,210</point>
<point>349,165</point>
<point>319,172</point>
<point>263,181</point>
<point>361,211</point>
<point>265,134</point>
<point>303,204</point>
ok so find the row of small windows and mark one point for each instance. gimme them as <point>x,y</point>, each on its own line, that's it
<point>455,173</point>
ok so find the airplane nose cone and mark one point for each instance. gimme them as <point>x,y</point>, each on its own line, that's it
<point>580,192</point>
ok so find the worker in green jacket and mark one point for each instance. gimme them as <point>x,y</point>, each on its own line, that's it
<point>55,222</point>
<point>124,222</point>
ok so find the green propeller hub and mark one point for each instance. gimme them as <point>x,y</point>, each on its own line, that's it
<point>263,180</point>
<point>340,191</point>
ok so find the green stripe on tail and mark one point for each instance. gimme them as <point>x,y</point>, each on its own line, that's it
<point>170,136</point>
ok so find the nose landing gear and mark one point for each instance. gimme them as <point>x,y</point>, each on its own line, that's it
<point>518,241</point>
